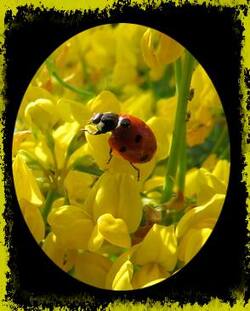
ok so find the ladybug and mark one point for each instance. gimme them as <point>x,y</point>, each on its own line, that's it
<point>131,138</point>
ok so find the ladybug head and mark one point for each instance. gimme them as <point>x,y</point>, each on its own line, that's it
<point>105,122</point>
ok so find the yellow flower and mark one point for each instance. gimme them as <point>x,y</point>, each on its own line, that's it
<point>67,61</point>
<point>63,135</point>
<point>123,73</point>
<point>222,170</point>
<point>202,185</point>
<point>123,277</point>
<point>72,226</point>
<point>122,265</point>
<point>71,110</point>
<point>153,183</point>
<point>42,113</point>
<point>159,246</point>
<point>159,126</point>
<point>100,55</point>
<point>34,220</point>
<point>44,154</point>
<point>149,274</point>
<point>158,49</point>
<point>110,195</point>
<point>32,94</point>
<point>77,185</point>
<point>25,183</point>
<point>75,229</point>
<point>197,214</point>
<point>146,263</point>
<point>62,257</point>
<point>113,230</point>
<point>127,54</point>
<point>196,225</point>
<point>166,107</point>
<point>19,140</point>
<point>104,102</point>
<point>92,268</point>
<point>139,105</point>
<point>202,117</point>
<point>168,50</point>
<point>192,242</point>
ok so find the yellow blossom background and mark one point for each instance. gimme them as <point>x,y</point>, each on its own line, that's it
<point>91,216</point>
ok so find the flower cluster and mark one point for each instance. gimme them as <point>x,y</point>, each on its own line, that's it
<point>94,219</point>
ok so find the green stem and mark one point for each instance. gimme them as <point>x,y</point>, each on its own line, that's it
<point>182,162</point>
<point>53,73</point>
<point>183,81</point>
<point>51,196</point>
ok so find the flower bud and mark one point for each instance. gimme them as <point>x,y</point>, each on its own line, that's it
<point>41,113</point>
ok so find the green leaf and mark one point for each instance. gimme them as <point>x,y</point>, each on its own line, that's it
<point>86,164</point>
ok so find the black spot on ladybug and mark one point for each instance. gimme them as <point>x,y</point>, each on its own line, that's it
<point>144,157</point>
<point>123,149</point>
<point>138,138</point>
<point>125,123</point>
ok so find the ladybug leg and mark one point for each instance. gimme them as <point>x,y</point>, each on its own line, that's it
<point>110,156</point>
<point>137,169</point>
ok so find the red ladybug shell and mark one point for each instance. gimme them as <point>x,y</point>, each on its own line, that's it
<point>136,143</point>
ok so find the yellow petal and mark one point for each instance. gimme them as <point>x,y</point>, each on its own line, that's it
<point>159,127</point>
<point>96,240</point>
<point>34,219</point>
<point>139,105</point>
<point>109,195</point>
<point>116,266</point>
<point>159,246</point>
<point>149,274</point>
<point>197,214</point>
<point>104,102</point>
<point>92,268</point>
<point>99,148</point>
<point>198,184</point>
<point>114,230</point>
<point>44,154</point>
<point>120,165</point>
<point>147,48</point>
<point>60,256</point>
<point>71,225</point>
<point>62,137</point>
<point>166,107</point>
<point>71,110</point>
<point>153,183</point>
<point>124,73</point>
<point>221,171</point>
<point>25,183</point>
<point>77,185</point>
<point>41,113</point>
<point>123,278</point>
<point>168,50</point>
<point>216,184</point>
<point>32,94</point>
<point>18,139</point>
<point>192,242</point>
